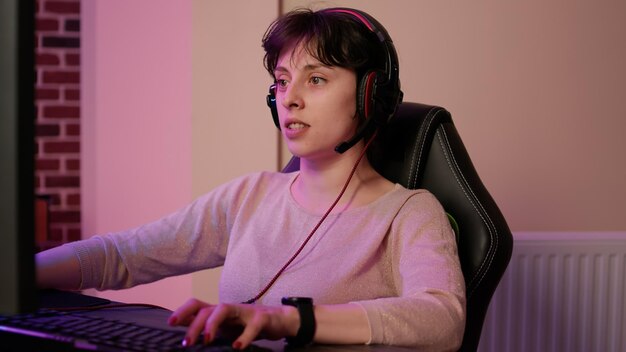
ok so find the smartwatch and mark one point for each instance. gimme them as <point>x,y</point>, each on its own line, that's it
<point>306,332</point>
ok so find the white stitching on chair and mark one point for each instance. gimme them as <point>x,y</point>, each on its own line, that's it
<point>430,117</point>
<point>443,138</point>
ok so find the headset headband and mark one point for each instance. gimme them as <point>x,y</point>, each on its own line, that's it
<point>391,62</point>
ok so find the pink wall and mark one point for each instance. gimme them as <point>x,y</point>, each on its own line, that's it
<point>232,130</point>
<point>137,122</point>
<point>173,107</point>
<point>536,89</point>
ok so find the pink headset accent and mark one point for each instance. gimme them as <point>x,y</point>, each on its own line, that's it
<point>357,15</point>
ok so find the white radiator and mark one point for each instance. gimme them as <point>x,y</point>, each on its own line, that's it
<point>561,292</point>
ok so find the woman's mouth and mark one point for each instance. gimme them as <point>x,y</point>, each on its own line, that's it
<point>296,126</point>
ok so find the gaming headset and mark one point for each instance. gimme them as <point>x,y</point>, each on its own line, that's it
<point>378,93</point>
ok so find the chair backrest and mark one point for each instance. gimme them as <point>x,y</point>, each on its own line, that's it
<point>421,148</point>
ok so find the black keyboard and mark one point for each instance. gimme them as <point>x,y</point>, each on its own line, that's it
<point>78,331</point>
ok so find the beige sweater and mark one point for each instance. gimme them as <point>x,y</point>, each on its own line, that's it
<point>395,257</point>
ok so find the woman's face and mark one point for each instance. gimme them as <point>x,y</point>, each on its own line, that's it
<point>316,104</point>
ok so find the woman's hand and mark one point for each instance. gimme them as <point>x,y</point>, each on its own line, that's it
<point>248,321</point>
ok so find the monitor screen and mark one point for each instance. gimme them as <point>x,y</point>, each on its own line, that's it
<point>17,119</point>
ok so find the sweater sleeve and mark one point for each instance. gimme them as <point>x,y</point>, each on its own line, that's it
<point>429,312</point>
<point>191,239</point>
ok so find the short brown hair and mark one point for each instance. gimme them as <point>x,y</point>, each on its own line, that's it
<point>333,38</point>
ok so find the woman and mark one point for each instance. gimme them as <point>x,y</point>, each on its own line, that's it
<point>375,262</point>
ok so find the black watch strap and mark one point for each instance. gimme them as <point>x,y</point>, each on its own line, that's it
<point>306,332</point>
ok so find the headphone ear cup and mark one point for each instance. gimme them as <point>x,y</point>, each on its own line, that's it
<point>271,102</point>
<point>365,94</point>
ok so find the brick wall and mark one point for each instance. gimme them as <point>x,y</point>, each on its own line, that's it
<point>57,99</point>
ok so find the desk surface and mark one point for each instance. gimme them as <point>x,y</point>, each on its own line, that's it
<point>156,317</point>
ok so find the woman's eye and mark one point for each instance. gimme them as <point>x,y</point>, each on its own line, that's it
<point>281,84</point>
<point>317,80</point>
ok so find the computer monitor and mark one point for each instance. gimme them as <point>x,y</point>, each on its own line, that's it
<point>17,119</point>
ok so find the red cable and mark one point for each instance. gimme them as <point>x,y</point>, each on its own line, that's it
<point>293,257</point>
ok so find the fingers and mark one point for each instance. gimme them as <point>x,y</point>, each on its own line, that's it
<point>185,314</point>
<point>221,314</point>
<point>251,331</point>
<point>198,325</point>
<point>203,318</point>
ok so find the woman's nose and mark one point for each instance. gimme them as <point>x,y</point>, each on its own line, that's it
<point>292,97</point>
